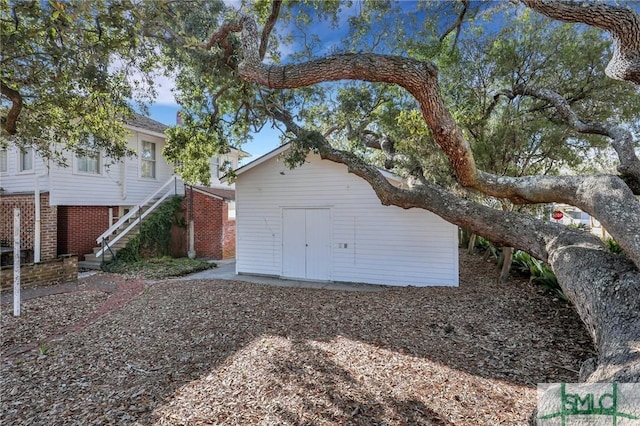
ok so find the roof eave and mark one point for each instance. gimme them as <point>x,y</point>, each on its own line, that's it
<point>145,131</point>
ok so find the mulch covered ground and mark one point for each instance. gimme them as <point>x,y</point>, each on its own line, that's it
<point>222,352</point>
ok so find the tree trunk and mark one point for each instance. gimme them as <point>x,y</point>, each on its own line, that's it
<point>505,264</point>
<point>472,243</point>
<point>603,287</point>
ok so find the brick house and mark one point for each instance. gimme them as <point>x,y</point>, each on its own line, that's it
<point>78,203</point>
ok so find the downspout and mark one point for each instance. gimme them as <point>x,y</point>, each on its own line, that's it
<point>123,188</point>
<point>37,224</point>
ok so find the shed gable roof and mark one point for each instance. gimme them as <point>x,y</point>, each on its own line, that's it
<point>281,149</point>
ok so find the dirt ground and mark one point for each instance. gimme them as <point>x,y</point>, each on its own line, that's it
<point>233,353</point>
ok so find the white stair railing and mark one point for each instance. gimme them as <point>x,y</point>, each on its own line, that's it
<point>104,239</point>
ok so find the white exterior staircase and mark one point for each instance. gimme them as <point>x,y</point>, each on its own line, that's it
<point>128,226</point>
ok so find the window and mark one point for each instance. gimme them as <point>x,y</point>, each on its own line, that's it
<point>88,163</point>
<point>26,160</point>
<point>3,160</point>
<point>231,210</point>
<point>148,156</point>
<point>215,165</point>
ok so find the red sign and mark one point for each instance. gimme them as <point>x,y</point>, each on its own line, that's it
<point>557,215</point>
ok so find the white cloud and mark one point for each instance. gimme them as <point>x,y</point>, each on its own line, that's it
<point>162,84</point>
<point>235,4</point>
<point>164,87</point>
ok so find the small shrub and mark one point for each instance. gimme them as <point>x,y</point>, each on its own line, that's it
<point>613,246</point>
<point>548,280</point>
<point>580,226</point>
<point>45,349</point>
<point>539,272</point>
<point>489,249</point>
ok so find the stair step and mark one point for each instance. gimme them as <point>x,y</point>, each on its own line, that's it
<point>122,242</point>
<point>86,265</point>
<point>93,258</point>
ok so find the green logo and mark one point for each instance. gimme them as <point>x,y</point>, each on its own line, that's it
<point>589,403</point>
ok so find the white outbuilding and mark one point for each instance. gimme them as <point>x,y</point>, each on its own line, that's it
<point>319,222</point>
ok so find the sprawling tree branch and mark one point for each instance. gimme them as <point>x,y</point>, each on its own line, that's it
<point>457,25</point>
<point>561,246</point>
<point>621,138</point>
<point>10,121</point>
<point>607,198</point>
<point>622,23</point>
<point>387,146</point>
<point>502,227</point>
<point>221,35</point>
<point>268,27</point>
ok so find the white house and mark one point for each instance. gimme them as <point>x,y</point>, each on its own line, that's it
<point>84,199</point>
<point>573,216</point>
<point>318,222</point>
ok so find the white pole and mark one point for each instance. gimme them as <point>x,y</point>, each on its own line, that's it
<point>36,237</point>
<point>191,254</point>
<point>192,247</point>
<point>16,262</point>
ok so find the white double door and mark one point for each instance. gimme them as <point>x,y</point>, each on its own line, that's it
<point>306,243</point>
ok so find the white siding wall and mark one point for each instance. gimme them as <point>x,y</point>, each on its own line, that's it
<point>232,157</point>
<point>370,242</point>
<point>15,181</point>
<point>119,184</point>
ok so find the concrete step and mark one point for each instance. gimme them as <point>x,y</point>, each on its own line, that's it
<point>117,246</point>
<point>92,257</point>
<point>122,242</point>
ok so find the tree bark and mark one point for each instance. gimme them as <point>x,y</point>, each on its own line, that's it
<point>505,265</point>
<point>622,23</point>
<point>606,197</point>
<point>10,121</point>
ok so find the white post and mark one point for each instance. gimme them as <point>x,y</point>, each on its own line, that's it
<point>36,237</point>
<point>110,217</point>
<point>192,246</point>
<point>16,262</point>
<point>192,243</point>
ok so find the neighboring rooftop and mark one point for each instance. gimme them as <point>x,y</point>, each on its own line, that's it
<point>146,123</point>
<point>225,194</point>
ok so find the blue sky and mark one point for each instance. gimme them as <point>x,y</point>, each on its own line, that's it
<point>165,108</point>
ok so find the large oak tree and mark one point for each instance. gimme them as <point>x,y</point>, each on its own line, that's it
<point>604,287</point>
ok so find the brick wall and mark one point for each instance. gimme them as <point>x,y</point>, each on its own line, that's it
<point>214,234</point>
<point>48,223</point>
<point>78,228</point>
<point>54,271</point>
<point>208,226</point>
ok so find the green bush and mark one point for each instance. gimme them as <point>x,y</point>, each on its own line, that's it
<point>538,271</point>
<point>161,267</point>
<point>155,234</point>
<point>613,246</point>
<point>522,262</point>
<point>485,245</point>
